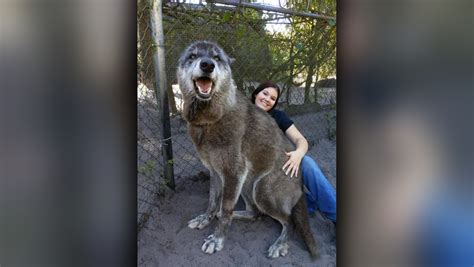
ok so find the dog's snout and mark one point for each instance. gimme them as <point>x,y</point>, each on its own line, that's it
<point>207,65</point>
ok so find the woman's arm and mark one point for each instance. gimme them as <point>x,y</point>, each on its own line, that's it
<point>293,164</point>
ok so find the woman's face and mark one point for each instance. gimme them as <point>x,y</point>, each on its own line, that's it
<point>266,98</point>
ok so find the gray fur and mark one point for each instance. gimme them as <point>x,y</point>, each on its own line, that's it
<point>243,148</point>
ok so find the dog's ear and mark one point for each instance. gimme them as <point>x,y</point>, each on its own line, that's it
<point>231,60</point>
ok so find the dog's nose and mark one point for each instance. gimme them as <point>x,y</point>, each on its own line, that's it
<point>207,65</point>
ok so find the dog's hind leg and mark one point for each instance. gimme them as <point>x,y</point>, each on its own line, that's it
<point>215,195</point>
<point>280,247</point>
<point>278,205</point>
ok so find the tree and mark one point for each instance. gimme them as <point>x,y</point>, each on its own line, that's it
<point>311,53</point>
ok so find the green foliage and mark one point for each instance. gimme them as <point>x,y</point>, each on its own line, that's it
<point>147,168</point>
<point>306,51</point>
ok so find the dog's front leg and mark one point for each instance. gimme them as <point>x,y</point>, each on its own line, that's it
<point>215,195</point>
<point>232,187</point>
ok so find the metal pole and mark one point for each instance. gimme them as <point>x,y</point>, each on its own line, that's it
<point>161,92</point>
<point>271,8</point>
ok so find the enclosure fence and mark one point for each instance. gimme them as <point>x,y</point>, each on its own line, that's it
<point>294,46</point>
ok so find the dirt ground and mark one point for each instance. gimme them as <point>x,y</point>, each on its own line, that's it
<point>166,240</point>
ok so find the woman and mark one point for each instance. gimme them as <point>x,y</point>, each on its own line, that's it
<point>321,194</point>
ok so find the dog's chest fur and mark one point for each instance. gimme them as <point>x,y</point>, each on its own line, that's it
<point>214,126</point>
<point>218,128</point>
<point>201,113</point>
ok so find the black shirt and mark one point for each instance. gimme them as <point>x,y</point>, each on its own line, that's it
<point>283,121</point>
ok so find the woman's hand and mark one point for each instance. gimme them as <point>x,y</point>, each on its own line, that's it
<point>293,164</point>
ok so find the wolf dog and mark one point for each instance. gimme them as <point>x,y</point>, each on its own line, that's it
<point>243,149</point>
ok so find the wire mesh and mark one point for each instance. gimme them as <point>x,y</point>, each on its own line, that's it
<point>296,52</point>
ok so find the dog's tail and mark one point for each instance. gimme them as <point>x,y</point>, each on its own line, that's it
<point>300,219</point>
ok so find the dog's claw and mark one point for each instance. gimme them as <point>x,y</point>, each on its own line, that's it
<point>199,222</point>
<point>212,244</point>
<point>277,250</point>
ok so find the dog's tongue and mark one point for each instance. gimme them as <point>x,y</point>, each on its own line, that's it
<point>204,85</point>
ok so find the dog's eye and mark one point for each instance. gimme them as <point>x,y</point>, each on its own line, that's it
<point>217,58</point>
<point>192,56</point>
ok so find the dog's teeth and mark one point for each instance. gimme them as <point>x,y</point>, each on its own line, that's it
<point>200,89</point>
<point>204,87</point>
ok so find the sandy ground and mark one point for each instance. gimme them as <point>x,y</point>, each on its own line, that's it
<point>165,240</point>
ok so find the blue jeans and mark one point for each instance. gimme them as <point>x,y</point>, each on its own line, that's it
<point>322,195</point>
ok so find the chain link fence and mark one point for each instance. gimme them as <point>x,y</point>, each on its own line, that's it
<point>295,50</point>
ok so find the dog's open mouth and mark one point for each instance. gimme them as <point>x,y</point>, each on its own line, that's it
<point>203,86</point>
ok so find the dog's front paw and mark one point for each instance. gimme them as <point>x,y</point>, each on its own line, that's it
<point>212,244</point>
<point>200,221</point>
<point>277,250</point>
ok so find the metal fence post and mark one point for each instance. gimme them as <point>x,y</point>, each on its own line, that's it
<point>161,92</point>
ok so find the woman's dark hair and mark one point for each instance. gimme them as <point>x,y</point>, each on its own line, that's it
<point>263,86</point>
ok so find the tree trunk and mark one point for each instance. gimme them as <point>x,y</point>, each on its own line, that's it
<point>312,65</point>
<point>309,81</point>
